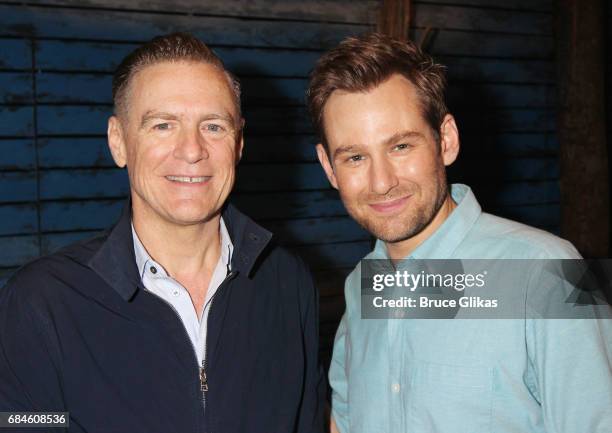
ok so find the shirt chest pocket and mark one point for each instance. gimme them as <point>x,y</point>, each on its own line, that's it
<point>448,398</point>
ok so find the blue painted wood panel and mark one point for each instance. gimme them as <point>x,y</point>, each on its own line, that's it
<point>140,26</point>
<point>17,250</point>
<point>18,219</point>
<point>74,152</point>
<point>80,215</point>
<point>16,121</point>
<point>83,183</point>
<point>15,54</point>
<point>17,186</point>
<point>16,88</point>
<point>17,154</point>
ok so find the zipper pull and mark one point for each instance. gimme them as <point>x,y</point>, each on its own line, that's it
<point>203,380</point>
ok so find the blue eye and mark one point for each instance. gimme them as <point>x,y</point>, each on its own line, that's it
<point>162,126</point>
<point>214,128</point>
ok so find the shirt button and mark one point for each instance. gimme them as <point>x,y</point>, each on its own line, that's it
<point>395,387</point>
<point>176,293</point>
<point>153,269</point>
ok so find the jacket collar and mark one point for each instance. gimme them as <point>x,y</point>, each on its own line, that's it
<point>115,260</point>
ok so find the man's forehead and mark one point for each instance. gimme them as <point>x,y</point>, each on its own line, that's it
<point>385,109</point>
<point>177,87</point>
<point>179,75</point>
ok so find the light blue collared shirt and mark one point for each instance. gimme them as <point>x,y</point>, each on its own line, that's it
<point>472,375</point>
<point>156,280</point>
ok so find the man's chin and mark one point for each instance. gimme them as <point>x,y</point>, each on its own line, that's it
<point>393,237</point>
<point>190,216</point>
<point>386,231</point>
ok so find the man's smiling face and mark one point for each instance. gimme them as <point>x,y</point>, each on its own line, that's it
<point>384,159</point>
<point>180,140</point>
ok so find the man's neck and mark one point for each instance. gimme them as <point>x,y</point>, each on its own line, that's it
<point>400,250</point>
<point>183,250</point>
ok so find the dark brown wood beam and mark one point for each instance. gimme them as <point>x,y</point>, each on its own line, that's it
<point>585,204</point>
<point>394,18</point>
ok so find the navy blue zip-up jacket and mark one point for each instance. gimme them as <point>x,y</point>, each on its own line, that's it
<point>78,333</point>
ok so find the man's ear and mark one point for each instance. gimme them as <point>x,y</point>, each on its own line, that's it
<point>326,164</point>
<point>240,142</point>
<point>449,140</point>
<point>116,141</point>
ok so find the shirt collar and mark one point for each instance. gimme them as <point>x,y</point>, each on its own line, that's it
<point>143,259</point>
<point>114,261</point>
<point>445,240</point>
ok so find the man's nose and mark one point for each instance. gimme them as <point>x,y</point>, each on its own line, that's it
<point>382,176</point>
<point>191,146</point>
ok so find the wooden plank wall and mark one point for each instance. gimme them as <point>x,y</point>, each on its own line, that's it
<point>608,77</point>
<point>57,179</point>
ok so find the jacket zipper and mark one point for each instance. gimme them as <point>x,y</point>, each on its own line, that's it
<point>201,369</point>
<point>193,351</point>
<point>203,376</point>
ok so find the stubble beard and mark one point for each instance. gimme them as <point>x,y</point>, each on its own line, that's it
<point>401,227</point>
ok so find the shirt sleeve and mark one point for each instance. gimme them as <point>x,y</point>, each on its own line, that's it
<point>570,355</point>
<point>573,370</point>
<point>338,378</point>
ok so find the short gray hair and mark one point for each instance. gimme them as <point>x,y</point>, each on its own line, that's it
<point>174,47</point>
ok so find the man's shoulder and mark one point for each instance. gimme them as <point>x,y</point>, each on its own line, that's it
<point>271,256</point>
<point>283,261</point>
<point>285,274</point>
<point>44,275</point>
<point>504,238</point>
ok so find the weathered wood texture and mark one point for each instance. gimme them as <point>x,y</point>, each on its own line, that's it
<point>394,18</point>
<point>585,204</point>
<point>58,183</point>
<point>608,75</point>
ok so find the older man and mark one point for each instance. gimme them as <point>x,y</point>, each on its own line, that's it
<point>387,137</point>
<point>184,317</point>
